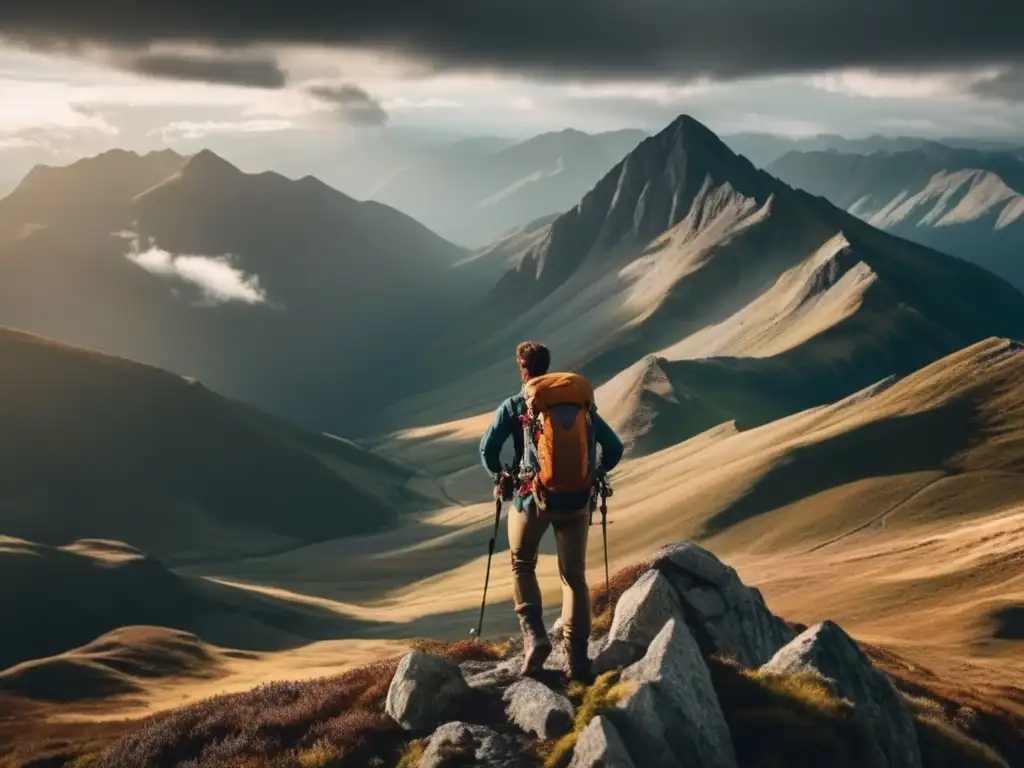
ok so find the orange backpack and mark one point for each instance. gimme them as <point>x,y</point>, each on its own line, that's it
<point>559,425</point>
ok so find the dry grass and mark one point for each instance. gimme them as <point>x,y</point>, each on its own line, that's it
<point>28,736</point>
<point>337,721</point>
<point>322,753</point>
<point>412,753</point>
<point>943,745</point>
<point>787,720</point>
<point>465,650</point>
<point>603,604</point>
<point>948,713</point>
<point>590,701</point>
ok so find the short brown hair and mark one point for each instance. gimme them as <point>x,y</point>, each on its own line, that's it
<point>533,358</point>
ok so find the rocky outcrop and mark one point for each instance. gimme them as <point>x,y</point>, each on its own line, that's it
<point>640,614</point>
<point>458,744</point>
<point>537,709</point>
<point>726,616</point>
<point>827,650</point>
<point>638,719</point>
<point>491,676</point>
<point>600,746</point>
<point>683,700</point>
<point>425,692</point>
<point>664,711</point>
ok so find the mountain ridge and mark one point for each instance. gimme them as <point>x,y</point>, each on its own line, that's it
<point>686,246</point>
<point>263,286</point>
<point>964,202</point>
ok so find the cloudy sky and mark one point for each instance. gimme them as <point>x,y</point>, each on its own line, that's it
<point>312,76</point>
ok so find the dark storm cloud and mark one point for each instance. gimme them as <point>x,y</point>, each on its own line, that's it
<point>255,72</point>
<point>353,104</point>
<point>598,38</point>
<point>1008,86</point>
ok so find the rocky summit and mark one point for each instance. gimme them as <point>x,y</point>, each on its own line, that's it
<point>690,659</point>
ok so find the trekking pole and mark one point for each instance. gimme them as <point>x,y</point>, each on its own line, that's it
<point>605,491</point>
<point>490,553</point>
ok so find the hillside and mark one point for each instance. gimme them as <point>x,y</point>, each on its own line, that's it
<point>687,252</point>
<point>94,446</point>
<point>693,666</point>
<point>897,508</point>
<point>965,202</point>
<point>96,620</point>
<point>270,290</point>
<point>475,192</point>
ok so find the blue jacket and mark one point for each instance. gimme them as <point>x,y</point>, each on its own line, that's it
<point>506,424</point>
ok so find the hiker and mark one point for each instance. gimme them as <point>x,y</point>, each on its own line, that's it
<point>558,475</point>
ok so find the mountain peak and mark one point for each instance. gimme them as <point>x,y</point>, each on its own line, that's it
<point>683,171</point>
<point>207,163</point>
<point>112,162</point>
<point>689,134</point>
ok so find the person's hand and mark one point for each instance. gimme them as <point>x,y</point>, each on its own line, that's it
<point>499,486</point>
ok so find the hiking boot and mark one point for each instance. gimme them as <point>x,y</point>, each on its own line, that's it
<point>580,668</point>
<point>536,644</point>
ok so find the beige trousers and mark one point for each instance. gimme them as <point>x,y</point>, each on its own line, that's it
<point>525,530</point>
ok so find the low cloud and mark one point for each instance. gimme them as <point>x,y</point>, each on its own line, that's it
<point>921,85</point>
<point>216,276</point>
<point>18,142</point>
<point>1008,85</point>
<point>246,71</point>
<point>353,104</point>
<point>402,103</point>
<point>190,130</point>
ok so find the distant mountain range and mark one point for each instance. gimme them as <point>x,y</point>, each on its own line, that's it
<point>474,191</point>
<point>689,276</point>
<point>966,202</point>
<point>762,149</point>
<point>286,294</point>
<point>298,299</point>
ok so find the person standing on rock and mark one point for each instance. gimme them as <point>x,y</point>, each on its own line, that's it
<point>556,432</point>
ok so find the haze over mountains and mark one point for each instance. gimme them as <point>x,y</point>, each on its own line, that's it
<point>472,192</point>
<point>965,202</point>
<point>762,149</point>
<point>286,294</point>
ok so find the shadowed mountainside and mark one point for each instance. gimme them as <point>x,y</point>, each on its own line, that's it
<point>94,446</point>
<point>270,290</point>
<point>59,600</point>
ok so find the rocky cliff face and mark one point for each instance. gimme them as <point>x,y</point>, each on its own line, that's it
<point>692,661</point>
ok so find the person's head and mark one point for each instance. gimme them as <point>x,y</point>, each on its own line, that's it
<point>534,359</point>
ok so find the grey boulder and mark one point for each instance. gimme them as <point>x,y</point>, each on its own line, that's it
<point>640,613</point>
<point>600,746</point>
<point>693,565</point>
<point>726,616</point>
<point>686,701</point>
<point>537,709</point>
<point>639,722</point>
<point>426,691</point>
<point>827,650</point>
<point>455,743</point>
